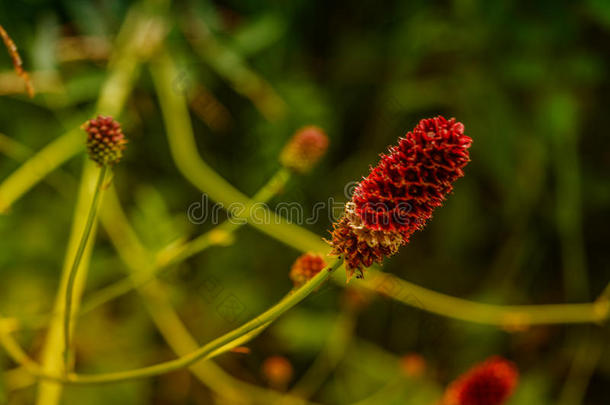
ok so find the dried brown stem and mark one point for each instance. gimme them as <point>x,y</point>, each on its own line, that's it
<point>17,63</point>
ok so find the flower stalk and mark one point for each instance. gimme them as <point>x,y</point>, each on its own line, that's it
<point>77,259</point>
<point>216,347</point>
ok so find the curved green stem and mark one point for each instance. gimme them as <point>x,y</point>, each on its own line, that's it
<point>169,324</point>
<point>184,151</point>
<point>168,256</point>
<point>176,254</point>
<point>511,317</point>
<point>214,348</point>
<point>79,255</point>
<point>218,345</point>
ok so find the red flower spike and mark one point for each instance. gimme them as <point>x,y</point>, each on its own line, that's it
<point>489,383</point>
<point>401,192</point>
<point>306,267</point>
<point>105,140</point>
<point>304,149</point>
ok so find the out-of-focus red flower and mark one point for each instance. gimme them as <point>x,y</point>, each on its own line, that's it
<point>304,149</point>
<point>277,370</point>
<point>489,383</point>
<point>105,140</point>
<point>305,267</point>
<point>413,365</point>
<point>401,192</point>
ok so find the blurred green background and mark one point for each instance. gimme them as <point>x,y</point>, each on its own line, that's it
<point>528,224</point>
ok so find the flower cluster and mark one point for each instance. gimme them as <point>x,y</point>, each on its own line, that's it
<point>489,383</point>
<point>305,267</point>
<point>400,194</point>
<point>304,149</point>
<point>105,140</point>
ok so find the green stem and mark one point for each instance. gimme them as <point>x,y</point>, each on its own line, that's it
<point>167,257</point>
<point>214,348</point>
<point>184,151</point>
<point>173,255</point>
<point>79,255</point>
<point>511,317</point>
<point>38,166</point>
<point>267,192</point>
<point>158,304</point>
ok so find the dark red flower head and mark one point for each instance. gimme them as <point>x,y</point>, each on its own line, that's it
<point>401,192</point>
<point>305,267</point>
<point>105,140</point>
<point>489,383</point>
<point>304,149</point>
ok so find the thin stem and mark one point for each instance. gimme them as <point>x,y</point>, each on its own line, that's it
<point>16,353</point>
<point>510,317</point>
<point>38,166</point>
<point>184,151</point>
<point>216,347</point>
<point>158,304</point>
<point>172,255</point>
<point>79,255</point>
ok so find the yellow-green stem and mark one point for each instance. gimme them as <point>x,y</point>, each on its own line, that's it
<point>52,358</point>
<point>216,347</point>
<point>91,216</point>
<point>175,254</point>
<point>166,319</point>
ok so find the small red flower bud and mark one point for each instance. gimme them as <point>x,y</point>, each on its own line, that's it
<point>413,365</point>
<point>105,140</point>
<point>277,370</point>
<point>401,192</point>
<point>304,149</point>
<point>489,383</point>
<point>306,267</point>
